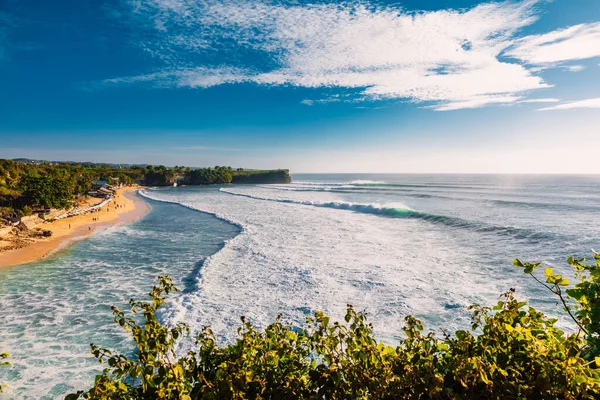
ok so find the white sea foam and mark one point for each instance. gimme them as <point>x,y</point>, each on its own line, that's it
<point>373,208</point>
<point>299,248</point>
<point>351,182</point>
<point>295,260</point>
<point>366,182</point>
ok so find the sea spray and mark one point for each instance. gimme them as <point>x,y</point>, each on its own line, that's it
<point>402,211</point>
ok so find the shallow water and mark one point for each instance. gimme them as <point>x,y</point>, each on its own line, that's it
<point>390,244</point>
<point>52,310</point>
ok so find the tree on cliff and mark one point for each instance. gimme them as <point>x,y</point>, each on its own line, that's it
<point>46,192</point>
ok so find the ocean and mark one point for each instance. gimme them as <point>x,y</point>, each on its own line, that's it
<point>391,245</point>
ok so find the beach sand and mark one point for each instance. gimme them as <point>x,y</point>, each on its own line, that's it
<point>69,230</point>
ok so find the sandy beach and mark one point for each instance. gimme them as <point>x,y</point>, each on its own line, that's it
<point>126,206</point>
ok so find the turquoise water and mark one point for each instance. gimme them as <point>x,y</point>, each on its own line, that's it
<point>52,310</point>
<point>426,245</point>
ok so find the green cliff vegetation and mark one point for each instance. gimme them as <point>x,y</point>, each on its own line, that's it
<point>159,176</point>
<point>219,175</point>
<point>261,176</point>
<point>188,176</point>
<point>512,352</point>
<point>25,186</point>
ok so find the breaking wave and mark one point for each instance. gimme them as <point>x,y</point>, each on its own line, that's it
<point>406,212</point>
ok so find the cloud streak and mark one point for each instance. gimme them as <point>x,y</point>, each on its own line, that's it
<point>577,42</point>
<point>543,100</point>
<point>589,103</point>
<point>448,59</point>
<point>575,68</point>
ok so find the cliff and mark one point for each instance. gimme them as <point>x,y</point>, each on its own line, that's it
<point>208,176</point>
<point>272,176</point>
<point>160,178</point>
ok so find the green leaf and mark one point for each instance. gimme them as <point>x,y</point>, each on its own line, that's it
<point>518,263</point>
<point>575,293</point>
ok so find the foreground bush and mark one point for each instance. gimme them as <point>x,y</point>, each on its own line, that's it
<point>514,352</point>
<point>3,356</point>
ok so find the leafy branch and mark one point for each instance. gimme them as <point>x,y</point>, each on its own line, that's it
<point>514,351</point>
<point>555,280</point>
<point>3,356</point>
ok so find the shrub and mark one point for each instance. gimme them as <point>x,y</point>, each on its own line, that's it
<point>586,296</point>
<point>25,211</point>
<point>3,356</point>
<point>514,352</point>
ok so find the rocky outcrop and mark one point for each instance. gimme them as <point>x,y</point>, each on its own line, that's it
<point>258,177</point>
<point>160,178</point>
<point>31,221</point>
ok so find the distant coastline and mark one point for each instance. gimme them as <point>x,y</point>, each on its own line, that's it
<point>127,206</point>
<point>209,176</point>
<point>44,205</point>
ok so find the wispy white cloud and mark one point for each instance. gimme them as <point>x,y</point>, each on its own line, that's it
<point>476,103</point>
<point>334,98</point>
<point>447,58</point>
<point>543,100</point>
<point>199,77</point>
<point>589,103</point>
<point>575,68</point>
<point>574,43</point>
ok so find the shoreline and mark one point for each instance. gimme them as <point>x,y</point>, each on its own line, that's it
<point>68,231</point>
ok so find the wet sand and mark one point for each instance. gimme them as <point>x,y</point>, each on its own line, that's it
<point>127,206</point>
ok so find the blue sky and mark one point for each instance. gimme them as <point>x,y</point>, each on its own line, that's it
<point>399,86</point>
